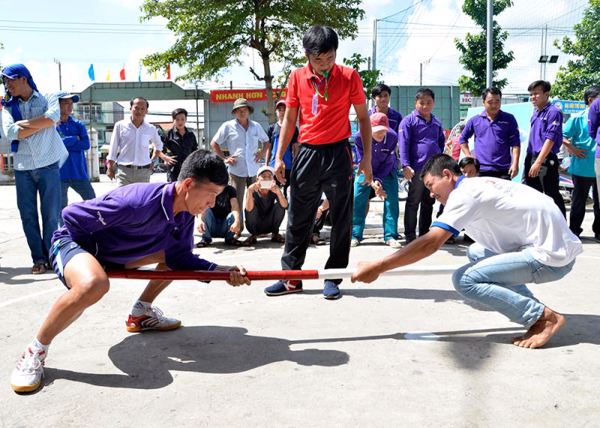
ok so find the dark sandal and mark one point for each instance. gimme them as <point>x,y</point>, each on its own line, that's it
<point>38,269</point>
<point>277,238</point>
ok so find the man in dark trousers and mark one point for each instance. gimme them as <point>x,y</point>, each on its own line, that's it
<point>545,139</point>
<point>321,93</point>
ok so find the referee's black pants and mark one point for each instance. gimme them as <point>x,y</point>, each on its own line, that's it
<point>317,169</point>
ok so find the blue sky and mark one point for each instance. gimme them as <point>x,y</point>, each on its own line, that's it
<point>108,34</point>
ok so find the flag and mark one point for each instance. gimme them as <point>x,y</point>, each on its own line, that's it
<point>91,73</point>
<point>108,75</point>
<point>140,73</point>
<point>122,73</point>
<point>168,71</point>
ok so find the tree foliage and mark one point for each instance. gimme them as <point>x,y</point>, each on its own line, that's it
<point>369,77</point>
<point>578,74</point>
<point>212,35</point>
<point>473,50</point>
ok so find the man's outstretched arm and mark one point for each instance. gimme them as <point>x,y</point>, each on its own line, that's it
<point>417,250</point>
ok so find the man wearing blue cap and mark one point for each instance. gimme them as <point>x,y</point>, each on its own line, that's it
<point>29,122</point>
<point>74,172</point>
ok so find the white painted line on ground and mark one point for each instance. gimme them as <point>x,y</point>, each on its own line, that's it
<point>31,296</point>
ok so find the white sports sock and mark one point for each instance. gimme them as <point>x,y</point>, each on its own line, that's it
<point>36,344</point>
<point>140,307</point>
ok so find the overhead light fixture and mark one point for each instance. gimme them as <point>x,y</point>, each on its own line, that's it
<point>543,58</point>
<point>553,59</point>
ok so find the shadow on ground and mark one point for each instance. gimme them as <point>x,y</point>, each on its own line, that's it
<point>147,360</point>
<point>10,275</point>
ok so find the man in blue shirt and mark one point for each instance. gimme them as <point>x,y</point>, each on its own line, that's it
<point>496,137</point>
<point>581,147</point>
<point>545,139</point>
<point>273,133</point>
<point>74,172</point>
<point>421,136</point>
<point>132,226</point>
<point>29,122</point>
<point>381,97</point>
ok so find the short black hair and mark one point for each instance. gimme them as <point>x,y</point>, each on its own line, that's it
<point>545,85</point>
<point>424,92</point>
<point>202,165</point>
<point>469,161</point>
<point>320,39</point>
<point>139,98</point>
<point>438,163</point>
<point>379,88</point>
<point>591,92</point>
<point>177,111</point>
<point>493,90</point>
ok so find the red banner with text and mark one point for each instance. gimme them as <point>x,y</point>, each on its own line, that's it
<point>230,95</point>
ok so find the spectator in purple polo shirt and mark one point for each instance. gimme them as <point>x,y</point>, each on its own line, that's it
<point>545,139</point>
<point>421,136</point>
<point>384,184</point>
<point>132,226</point>
<point>594,131</point>
<point>496,137</point>
<point>381,98</point>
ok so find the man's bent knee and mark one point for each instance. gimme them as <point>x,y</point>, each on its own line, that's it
<point>90,291</point>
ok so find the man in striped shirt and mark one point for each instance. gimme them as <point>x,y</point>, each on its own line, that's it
<point>29,122</point>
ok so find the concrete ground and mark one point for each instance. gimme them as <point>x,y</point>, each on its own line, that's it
<point>399,352</point>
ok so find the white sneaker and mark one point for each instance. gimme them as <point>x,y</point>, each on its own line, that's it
<point>354,243</point>
<point>152,319</point>
<point>27,375</point>
<point>394,243</point>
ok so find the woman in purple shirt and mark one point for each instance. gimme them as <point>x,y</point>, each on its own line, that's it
<point>384,184</point>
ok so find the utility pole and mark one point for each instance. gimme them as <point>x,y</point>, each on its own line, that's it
<point>490,43</point>
<point>545,49</point>
<point>197,115</point>
<point>374,55</point>
<point>57,61</point>
<point>420,74</point>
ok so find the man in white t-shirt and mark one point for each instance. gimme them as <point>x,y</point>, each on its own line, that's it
<point>520,237</point>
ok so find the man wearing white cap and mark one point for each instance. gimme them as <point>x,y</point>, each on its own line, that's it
<point>265,207</point>
<point>74,172</point>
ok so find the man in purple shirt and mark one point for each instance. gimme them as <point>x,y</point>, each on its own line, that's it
<point>545,139</point>
<point>496,137</point>
<point>384,184</point>
<point>421,136</point>
<point>131,226</point>
<point>381,97</point>
<point>594,131</point>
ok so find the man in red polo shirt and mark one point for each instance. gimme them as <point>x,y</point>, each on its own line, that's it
<point>322,93</point>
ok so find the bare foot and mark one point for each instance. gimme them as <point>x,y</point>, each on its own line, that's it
<point>540,333</point>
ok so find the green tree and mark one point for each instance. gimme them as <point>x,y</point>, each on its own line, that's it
<point>578,74</point>
<point>211,35</point>
<point>473,49</point>
<point>369,77</point>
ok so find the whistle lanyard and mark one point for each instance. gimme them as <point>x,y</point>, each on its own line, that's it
<point>317,88</point>
<point>317,94</point>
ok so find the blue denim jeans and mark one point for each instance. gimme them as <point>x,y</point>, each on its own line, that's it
<point>82,187</point>
<point>46,182</point>
<point>498,281</point>
<point>217,227</point>
<point>390,207</point>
